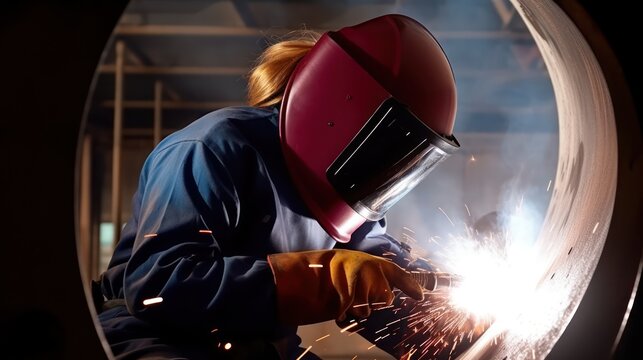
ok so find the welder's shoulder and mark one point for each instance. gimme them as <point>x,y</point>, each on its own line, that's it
<point>222,130</point>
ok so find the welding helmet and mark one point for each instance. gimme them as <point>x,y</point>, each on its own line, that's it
<point>366,115</point>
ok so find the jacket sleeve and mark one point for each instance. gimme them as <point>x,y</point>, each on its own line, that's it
<point>188,217</point>
<point>373,238</point>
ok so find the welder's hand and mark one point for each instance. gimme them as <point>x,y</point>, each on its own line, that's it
<point>314,286</point>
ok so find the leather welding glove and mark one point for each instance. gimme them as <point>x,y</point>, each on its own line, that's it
<point>315,286</point>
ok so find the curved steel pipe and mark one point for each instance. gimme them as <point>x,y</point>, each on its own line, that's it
<point>583,213</point>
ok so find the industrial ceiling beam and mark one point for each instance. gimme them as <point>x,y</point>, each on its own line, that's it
<point>175,70</point>
<point>172,104</point>
<point>199,30</point>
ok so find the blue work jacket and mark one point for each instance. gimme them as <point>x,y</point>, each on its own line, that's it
<point>213,200</point>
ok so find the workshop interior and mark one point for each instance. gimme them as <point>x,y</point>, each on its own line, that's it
<point>169,63</point>
<point>539,212</point>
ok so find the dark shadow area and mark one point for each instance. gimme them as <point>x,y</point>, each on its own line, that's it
<point>49,53</point>
<point>34,334</point>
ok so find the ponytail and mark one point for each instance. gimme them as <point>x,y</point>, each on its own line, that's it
<point>268,79</point>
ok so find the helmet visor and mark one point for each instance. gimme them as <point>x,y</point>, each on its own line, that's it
<point>387,158</point>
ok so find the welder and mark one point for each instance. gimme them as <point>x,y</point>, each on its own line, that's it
<point>253,220</point>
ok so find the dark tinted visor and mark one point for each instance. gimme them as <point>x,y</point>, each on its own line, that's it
<point>389,156</point>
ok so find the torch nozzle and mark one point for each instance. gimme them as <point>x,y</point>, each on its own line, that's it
<point>432,280</point>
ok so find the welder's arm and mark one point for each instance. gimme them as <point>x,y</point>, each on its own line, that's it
<point>189,208</point>
<point>315,286</point>
<point>372,237</point>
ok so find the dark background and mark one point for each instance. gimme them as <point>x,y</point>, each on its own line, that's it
<point>48,54</point>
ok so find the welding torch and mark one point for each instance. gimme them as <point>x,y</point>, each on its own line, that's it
<point>432,280</point>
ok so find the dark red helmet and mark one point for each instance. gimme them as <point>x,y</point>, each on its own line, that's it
<point>367,113</point>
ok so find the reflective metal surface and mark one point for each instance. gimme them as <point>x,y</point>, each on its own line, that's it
<point>578,219</point>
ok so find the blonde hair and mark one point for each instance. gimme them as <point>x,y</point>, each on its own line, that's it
<point>268,78</point>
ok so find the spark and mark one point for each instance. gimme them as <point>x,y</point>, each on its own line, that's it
<point>409,237</point>
<point>227,346</point>
<point>447,216</point>
<point>151,235</point>
<point>205,231</point>
<point>548,185</point>
<point>370,347</point>
<point>382,329</point>
<point>497,275</point>
<point>348,327</point>
<point>214,330</point>
<point>533,354</point>
<point>398,320</point>
<point>323,337</point>
<point>595,227</point>
<point>360,305</point>
<point>151,301</point>
<point>498,271</point>
<point>432,239</point>
<point>315,265</point>
<point>472,158</point>
<point>453,347</point>
<point>378,303</point>
<point>354,357</point>
<point>304,353</point>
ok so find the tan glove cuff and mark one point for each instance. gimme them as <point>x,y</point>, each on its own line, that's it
<point>303,283</point>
